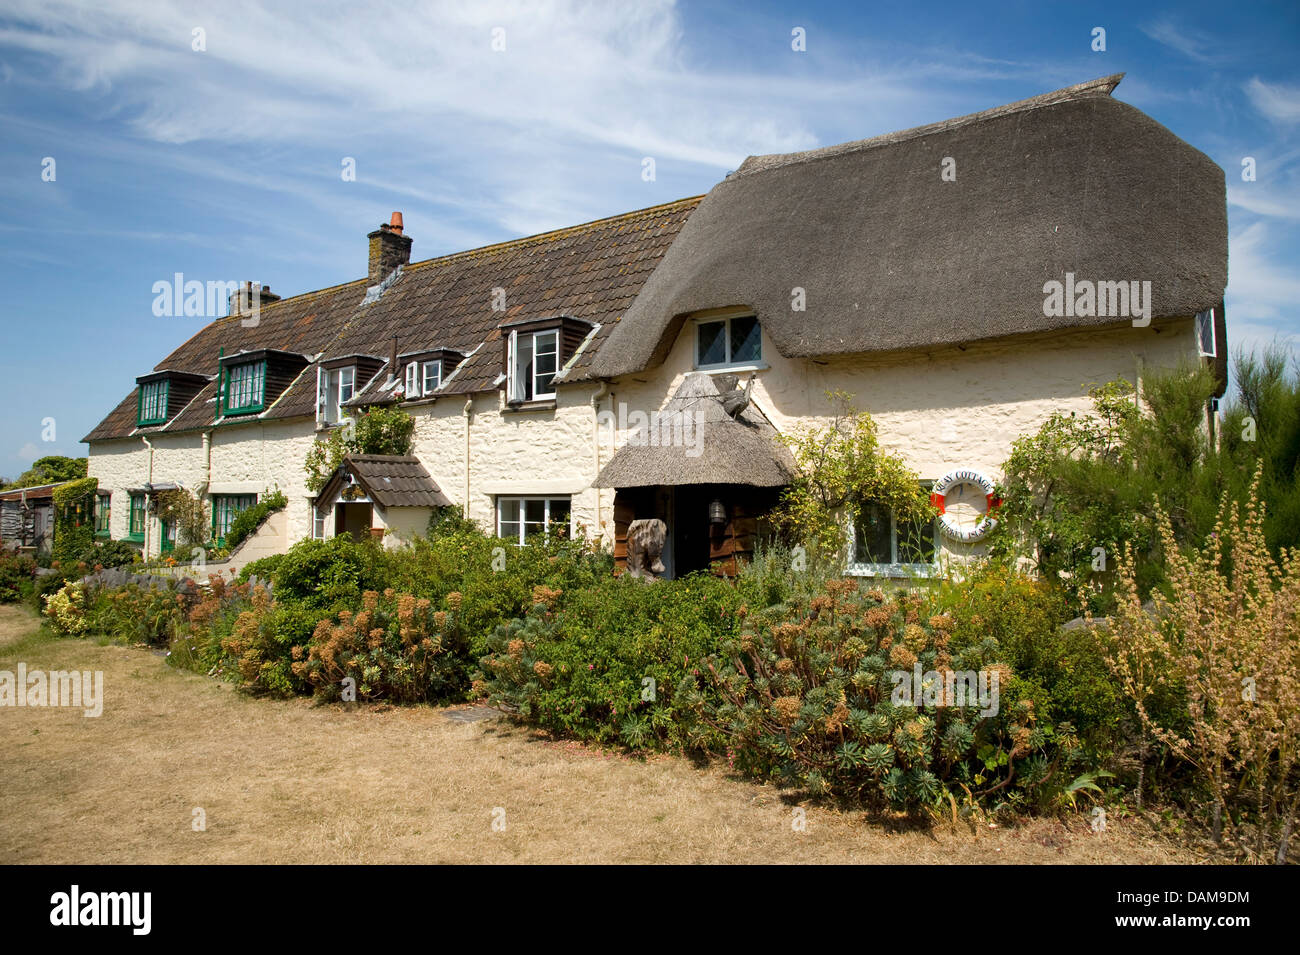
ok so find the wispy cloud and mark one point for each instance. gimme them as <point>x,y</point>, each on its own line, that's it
<point>1279,103</point>
<point>1191,43</point>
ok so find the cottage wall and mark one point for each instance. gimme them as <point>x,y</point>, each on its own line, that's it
<point>940,409</point>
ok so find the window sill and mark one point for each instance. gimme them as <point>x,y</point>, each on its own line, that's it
<point>134,538</point>
<point>897,571</point>
<point>732,369</point>
<point>543,404</point>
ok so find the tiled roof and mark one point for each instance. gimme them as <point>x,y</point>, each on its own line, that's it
<point>591,271</point>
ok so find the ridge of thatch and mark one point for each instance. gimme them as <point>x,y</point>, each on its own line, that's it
<point>715,447</point>
<point>890,255</point>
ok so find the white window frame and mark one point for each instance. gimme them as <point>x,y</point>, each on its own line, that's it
<point>523,500</point>
<point>331,413</point>
<point>515,391</point>
<point>1205,334</point>
<point>412,379</point>
<point>895,567</point>
<point>729,362</point>
<point>436,366</point>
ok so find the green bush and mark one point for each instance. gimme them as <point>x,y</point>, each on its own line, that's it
<point>17,576</point>
<point>264,568</point>
<point>808,695</point>
<point>603,663</point>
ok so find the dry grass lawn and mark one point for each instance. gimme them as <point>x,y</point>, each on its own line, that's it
<point>293,782</point>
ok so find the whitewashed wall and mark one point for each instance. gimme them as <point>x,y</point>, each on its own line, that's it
<point>941,409</point>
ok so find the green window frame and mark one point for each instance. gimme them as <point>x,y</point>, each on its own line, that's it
<point>245,387</point>
<point>103,515</point>
<point>224,509</point>
<point>135,528</point>
<point>151,402</point>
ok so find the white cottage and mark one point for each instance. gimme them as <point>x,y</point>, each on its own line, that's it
<point>961,280</point>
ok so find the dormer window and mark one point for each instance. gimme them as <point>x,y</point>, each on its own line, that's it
<point>728,342</point>
<point>164,394</point>
<point>334,387</point>
<point>431,374</point>
<point>534,360</point>
<point>246,387</point>
<point>152,402</point>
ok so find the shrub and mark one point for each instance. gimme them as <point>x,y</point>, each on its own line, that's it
<point>810,696</point>
<point>1229,639</point>
<point>137,614</point>
<point>111,554</point>
<point>260,644</point>
<point>377,430</point>
<point>66,610</point>
<point>606,666</point>
<point>264,568</point>
<point>17,573</point>
<point>396,647</point>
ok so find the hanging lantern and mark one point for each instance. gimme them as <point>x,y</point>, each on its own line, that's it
<point>717,512</point>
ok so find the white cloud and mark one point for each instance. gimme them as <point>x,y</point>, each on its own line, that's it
<point>1279,103</point>
<point>1262,295</point>
<point>1191,43</point>
<point>28,453</point>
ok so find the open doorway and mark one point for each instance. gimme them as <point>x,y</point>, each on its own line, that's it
<point>352,518</point>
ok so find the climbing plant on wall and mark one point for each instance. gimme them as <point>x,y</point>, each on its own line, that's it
<point>377,430</point>
<point>74,519</point>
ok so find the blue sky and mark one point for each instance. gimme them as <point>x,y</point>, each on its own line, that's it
<point>225,163</point>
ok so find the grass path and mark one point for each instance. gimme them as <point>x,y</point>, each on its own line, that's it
<point>293,782</point>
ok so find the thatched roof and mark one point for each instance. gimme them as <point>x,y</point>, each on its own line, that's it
<point>892,257</point>
<point>715,448</point>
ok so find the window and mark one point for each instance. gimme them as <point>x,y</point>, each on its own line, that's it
<point>520,517</point>
<point>732,341</point>
<point>245,387</point>
<point>153,402</point>
<point>881,545</point>
<point>1205,333</point>
<point>318,521</point>
<point>224,509</point>
<point>103,514</point>
<point>432,376</point>
<point>135,529</point>
<point>533,363</point>
<point>335,386</point>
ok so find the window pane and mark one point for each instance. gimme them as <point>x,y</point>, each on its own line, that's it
<point>546,362</point>
<point>509,509</point>
<point>560,510</point>
<point>510,531</point>
<point>535,512</point>
<point>916,542</point>
<point>874,536</point>
<point>524,367</point>
<point>432,375</point>
<point>712,344</point>
<point>347,381</point>
<point>746,340</point>
<point>413,379</point>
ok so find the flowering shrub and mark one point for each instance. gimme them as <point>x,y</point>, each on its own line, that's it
<point>396,647</point>
<point>66,610</point>
<point>808,694</point>
<point>1228,641</point>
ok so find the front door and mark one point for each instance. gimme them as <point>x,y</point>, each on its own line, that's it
<point>690,528</point>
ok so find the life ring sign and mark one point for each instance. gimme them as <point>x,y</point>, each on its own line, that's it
<point>967,502</point>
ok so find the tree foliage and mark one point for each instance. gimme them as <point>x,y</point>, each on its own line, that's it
<point>378,430</point>
<point>49,470</point>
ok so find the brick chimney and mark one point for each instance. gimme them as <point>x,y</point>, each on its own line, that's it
<point>249,297</point>
<point>388,249</point>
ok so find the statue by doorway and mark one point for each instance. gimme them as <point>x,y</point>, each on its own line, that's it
<point>645,546</point>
